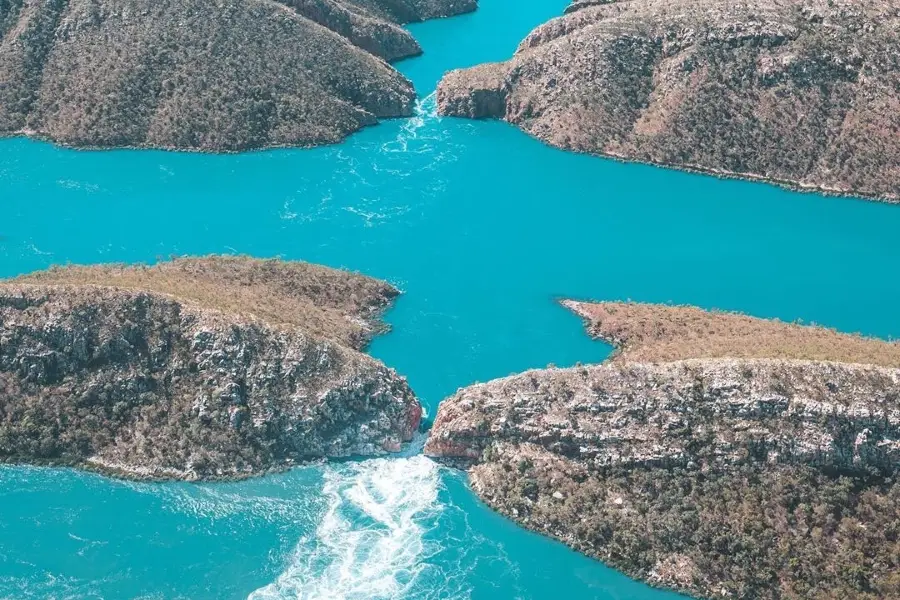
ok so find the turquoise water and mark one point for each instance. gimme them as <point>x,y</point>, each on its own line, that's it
<point>483,228</point>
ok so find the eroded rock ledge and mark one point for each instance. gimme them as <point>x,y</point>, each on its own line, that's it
<point>714,412</point>
<point>211,368</point>
<point>707,455</point>
<point>802,92</point>
<point>203,74</point>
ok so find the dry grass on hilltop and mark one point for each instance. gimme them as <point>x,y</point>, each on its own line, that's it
<point>661,333</point>
<point>327,302</point>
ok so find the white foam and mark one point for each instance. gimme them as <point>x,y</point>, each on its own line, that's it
<point>417,444</point>
<point>283,498</point>
<point>71,184</point>
<point>212,504</point>
<point>371,542</point>
<point>424,111</point>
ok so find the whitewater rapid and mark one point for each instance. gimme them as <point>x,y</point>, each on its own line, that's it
<point>371,541</point>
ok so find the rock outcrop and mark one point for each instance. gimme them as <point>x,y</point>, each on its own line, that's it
<point>204,75</point>
<point>799,92</point>
<point>211,368</point>
<point>373,25</point>
<point>744,476</point>
<point>710,412</point>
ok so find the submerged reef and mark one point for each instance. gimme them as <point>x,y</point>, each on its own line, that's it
<point>804,93</point>
<point>714,453</point>
<point>196,369</point>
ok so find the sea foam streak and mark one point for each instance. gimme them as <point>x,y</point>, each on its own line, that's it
<point>424,111</point>
<point>371,541</point>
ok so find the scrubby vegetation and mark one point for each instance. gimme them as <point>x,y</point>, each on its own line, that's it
<point>326,302</point>
<point>662,333</point>
<point>176,371</point>
<point>802,92</point>
<point>750,532</point>
<point>373,25</point>
<point>204,74</point>
<point>715,453</point>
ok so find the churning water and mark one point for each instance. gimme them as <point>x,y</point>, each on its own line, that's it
<point>483,228</point>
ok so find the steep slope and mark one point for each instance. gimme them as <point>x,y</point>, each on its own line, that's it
<point>800,92</point>
<point>155,372</point>
<point>203,74</point>
<point>762,476</point>
<point>373,25</point>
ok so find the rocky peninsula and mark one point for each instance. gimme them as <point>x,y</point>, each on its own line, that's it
<point>804,93</point>
<point>714,453</point>
<point>196,369</point>
<point>202,74</point>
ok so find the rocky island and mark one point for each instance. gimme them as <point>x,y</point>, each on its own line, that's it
<point>208,368</point>
<point>716,454</point>
<point>804,93</point>
<point>203,74</point>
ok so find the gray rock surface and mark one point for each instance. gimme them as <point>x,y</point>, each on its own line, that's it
<point>146,384</point>
<point>762,476</point>
<point>711,412</point>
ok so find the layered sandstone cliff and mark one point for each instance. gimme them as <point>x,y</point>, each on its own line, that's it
<point>707,455</point>
<point>205,75</point>
<point>800,92</point>
<point>196,369</point>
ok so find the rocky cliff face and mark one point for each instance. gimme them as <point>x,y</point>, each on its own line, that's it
<point>713,413</point>
<point>800,92</point>
<point>722,477</point>
<point>342,306</point>
<point>197,74</point>
<point>144,384</point>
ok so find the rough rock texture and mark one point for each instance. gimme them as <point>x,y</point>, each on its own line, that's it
<point>753,531</point>
<point>326,302</point>
<point>205,75</point>
<point>763,476</point>
<point>139,382</point>
<point>800,92</point>
<point>701,411</point>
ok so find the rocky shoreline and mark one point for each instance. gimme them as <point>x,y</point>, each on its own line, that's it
<point>798,94</point>
<point>196,369</point>
<point>706,456</point>
<point>205,76</point>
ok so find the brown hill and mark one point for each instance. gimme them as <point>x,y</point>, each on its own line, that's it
<point>800,92</point>
<point>196,369</point>
<point>204,74</point>
<point>716,454</point>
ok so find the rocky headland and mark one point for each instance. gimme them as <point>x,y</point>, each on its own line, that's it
<point>205,75</point>
<point>804,93</point>
<point>714,453</point>
<point>196,369</point>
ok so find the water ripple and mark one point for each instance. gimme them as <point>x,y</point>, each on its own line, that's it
<point>371,543</point>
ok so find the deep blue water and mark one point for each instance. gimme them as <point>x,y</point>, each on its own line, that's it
<point>483,228</point>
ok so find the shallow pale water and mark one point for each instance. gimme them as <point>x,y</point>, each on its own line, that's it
<point>483,228</point>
